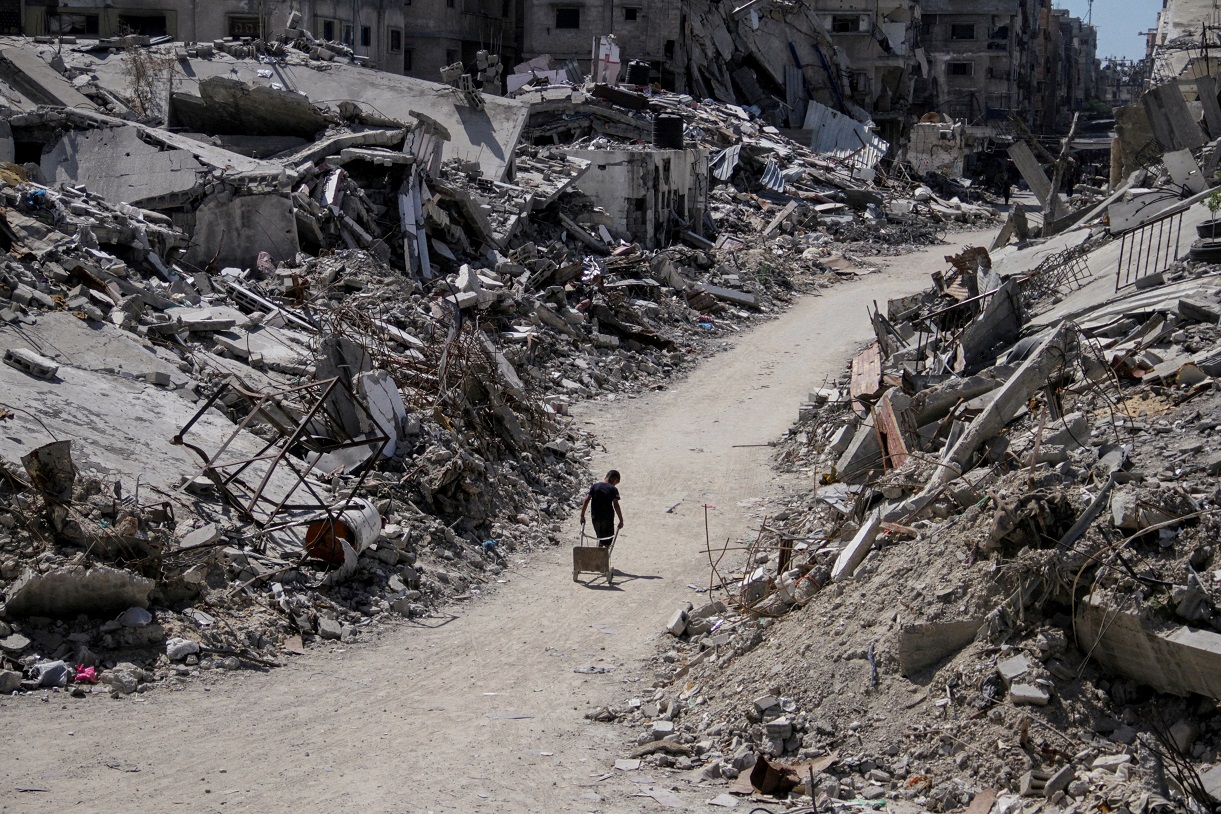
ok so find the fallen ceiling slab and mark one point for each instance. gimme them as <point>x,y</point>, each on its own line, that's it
<point>485,137</point>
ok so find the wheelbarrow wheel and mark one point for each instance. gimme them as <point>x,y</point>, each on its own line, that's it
<point>610,576</point>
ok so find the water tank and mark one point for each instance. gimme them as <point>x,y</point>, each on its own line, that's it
<point>668,131</point>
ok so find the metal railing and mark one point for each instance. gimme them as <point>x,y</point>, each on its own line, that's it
<point>1149,249</point>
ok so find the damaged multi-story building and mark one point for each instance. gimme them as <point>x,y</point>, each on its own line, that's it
<point>1120,81</point>
<point>647,31</point>
<point>1079,73</point>
<point>993,60</point>
<point>414,37</point>
<point>981,66</point>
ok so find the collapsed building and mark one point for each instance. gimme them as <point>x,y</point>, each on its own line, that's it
<point>343,337</point>
<point>996,588</point>
<point>290,342</point>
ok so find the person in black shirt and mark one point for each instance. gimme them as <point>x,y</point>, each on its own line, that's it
<point>603,503</point>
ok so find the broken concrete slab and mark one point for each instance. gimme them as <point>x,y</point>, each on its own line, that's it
<point>922,646</point>
<point>1173,124</point>
<point>67,592</point>
<point>1206,91</point>
<point>1031,171</point>
<point>485,137</point>
<point>118,165</point>
<point>1110,763</point>
<point>232,232</point>
<point>1052,353</point>
<point>856,550</point>
<point>1028,694</point>
<point>1177,660</point>
<point>203,536</point>
<point>1184,170</point>
<point>863,457</point>
<point>1013,668</point>
<point>230,106</point>
<point>998,326</point>
<point>38,82</point>
<point>385,403</point>
<point>742,298</point>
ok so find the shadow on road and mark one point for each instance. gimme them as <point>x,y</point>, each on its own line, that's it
<point>620,577</point>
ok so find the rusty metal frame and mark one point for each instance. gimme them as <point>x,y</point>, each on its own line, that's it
<point>271,409</point>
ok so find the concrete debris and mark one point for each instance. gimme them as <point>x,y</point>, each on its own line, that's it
<point>318,322</point>
<point>951,563</point>
<point>72,590</point>
<point>360,323</point>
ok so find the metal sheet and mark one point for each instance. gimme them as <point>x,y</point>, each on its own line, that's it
<point>772,178</point>
<point>724,162</point>
<point>843,137</point>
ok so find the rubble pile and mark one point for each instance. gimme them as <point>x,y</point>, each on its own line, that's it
<point>1001,585</point>
<point>843,196</point>
<point>478,467</point>
<point>343,338</point>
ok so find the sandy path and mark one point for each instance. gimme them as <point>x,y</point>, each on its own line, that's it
<point>401,724</point>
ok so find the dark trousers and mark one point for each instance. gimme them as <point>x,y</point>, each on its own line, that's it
<point>604,529</point>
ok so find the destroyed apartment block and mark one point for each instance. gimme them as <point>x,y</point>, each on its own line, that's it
<point>315,370</point>
<point>1012,492</point>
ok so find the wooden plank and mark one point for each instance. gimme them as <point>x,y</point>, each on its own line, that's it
<point>779,219</point>
<point>890,432</point>
<point>867,374</point>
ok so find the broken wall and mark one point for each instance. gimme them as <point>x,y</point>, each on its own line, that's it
<point>937,147</point>
<point>232,231</point>
<point>639,188</point>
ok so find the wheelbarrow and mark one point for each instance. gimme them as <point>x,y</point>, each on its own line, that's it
<point>593,559</point>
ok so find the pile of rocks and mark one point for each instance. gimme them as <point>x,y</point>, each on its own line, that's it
<point>179,578</point>
<point>1000,586</point>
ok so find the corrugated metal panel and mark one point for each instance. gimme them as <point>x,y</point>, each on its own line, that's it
<point>772,178</point>
<point>843,137</point>
<point>795,95</point>
<point>724,162</point>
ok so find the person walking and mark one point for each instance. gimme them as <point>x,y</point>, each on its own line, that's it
<point>603,504</point>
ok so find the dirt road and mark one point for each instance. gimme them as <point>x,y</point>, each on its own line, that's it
<point>482,712</point>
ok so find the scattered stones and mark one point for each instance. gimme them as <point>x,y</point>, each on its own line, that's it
<point>178,649</point>
<point>136,617</point>
<point>123,679</point>
<point>330,629</point>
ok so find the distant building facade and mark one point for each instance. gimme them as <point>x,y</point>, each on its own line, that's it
<point>977,60</point>
<point>990,60</point>
<point>646,31</point>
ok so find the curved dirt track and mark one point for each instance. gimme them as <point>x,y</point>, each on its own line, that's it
<point>401,724</point>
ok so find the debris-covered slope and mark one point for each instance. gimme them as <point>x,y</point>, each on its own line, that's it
<point>999,586</point>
